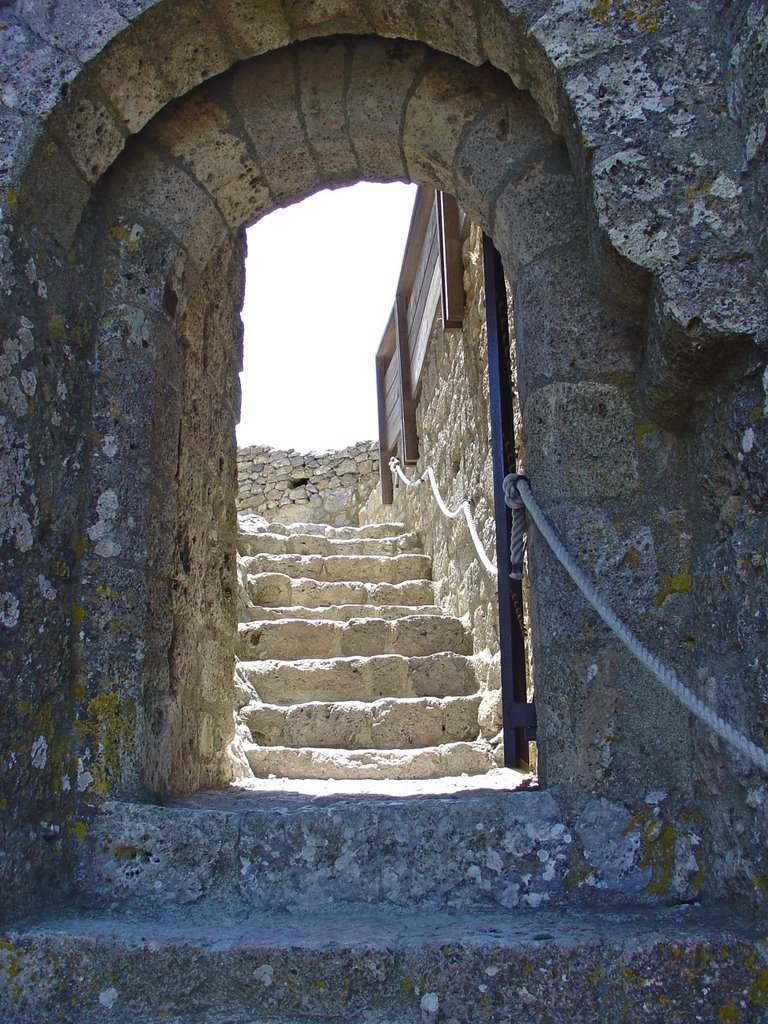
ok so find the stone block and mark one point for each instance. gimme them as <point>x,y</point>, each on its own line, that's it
<point>322,101</point>
<point>310,18</point>
<point>580,443</point>
<point>574,341</point>
<point>74,28</point>
<point>35,73</point>
<point>500,143</point>
<point>131,81</point>
<point>276,132</point>
<point>88,129</point>
<point>436,113</point>
<point>538,209</point>
<point>252,36</point>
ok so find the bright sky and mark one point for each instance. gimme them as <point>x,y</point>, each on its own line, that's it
<point>320,285</point>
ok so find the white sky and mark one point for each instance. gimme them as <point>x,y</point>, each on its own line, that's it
<point>320,285</point>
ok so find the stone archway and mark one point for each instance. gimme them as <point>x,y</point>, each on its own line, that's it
<point>168,212</point>
<point>101,670</point>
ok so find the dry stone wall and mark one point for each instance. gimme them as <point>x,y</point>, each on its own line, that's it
<point>297,487</point>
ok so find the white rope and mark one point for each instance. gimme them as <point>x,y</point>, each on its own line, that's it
<point>666,676</point>
<point>429,474</point>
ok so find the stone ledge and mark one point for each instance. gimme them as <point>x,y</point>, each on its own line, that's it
<point>677,965</point>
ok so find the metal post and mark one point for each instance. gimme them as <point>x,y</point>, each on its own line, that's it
<point>518,716</point>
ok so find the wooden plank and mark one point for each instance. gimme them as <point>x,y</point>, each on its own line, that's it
<point>385,475</point>
<point>429,257</point>
<point>422,212</point>
<point>420,343</point>
<point>409,437</point>
<point>452,266</point>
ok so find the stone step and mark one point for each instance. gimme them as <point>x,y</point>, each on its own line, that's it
<point>309,544</point>
<point>342,568</point>
<point>360,678</point>
<point>391,722</point>
<point>412,635</point>
<point>677,965</point>
<point>278,589</point>
<point>340,612</point>
<point>460,758</point>
<point>295,854</point>
<point>252,525</point>
<point>236,851</point>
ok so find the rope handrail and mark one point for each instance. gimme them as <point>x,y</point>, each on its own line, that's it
<point>516,489</point>
<point>429,474</point>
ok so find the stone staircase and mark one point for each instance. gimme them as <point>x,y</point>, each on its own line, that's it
<point>484,905</point>
<point>347,669</point>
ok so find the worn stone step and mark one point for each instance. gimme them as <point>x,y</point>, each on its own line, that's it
<point>359,678</point>
<point>677,965</point>
<point>236,850</point>
<point>412,635</point>
<point>339,612</point>
<point>310,544</point>
<point>273,589</point>
<point>253,525</point>
<point>340,568</point>
<point>391,722</point>
<point>460,758</point>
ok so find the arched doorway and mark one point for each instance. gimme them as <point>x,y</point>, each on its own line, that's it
<point>134,310</point>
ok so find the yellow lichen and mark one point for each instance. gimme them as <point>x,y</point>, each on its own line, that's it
<point>644,428</point>
<point>77,543</point>
<point>758,990</point>
<point>79,830</point>
<point>679,584</point>
<point>57,328</point>
<point>642,13</point>
<point>107,725</point>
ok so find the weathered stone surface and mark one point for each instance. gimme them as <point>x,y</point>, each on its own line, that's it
<point>279,589</point>
<point>301,543</point>
<point>388,722</point>
<point>362,678</point>
<point>339,612</point>
<point>410,636</point>
<point>391,569</point>
<point>469,966</point>
<point>434,762</point>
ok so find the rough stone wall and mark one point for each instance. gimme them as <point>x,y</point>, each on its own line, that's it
<point>614,153</point>
<point>453,424</point>
<point>296,487</point>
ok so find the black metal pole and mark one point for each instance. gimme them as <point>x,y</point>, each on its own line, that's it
<point>517,714</point>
